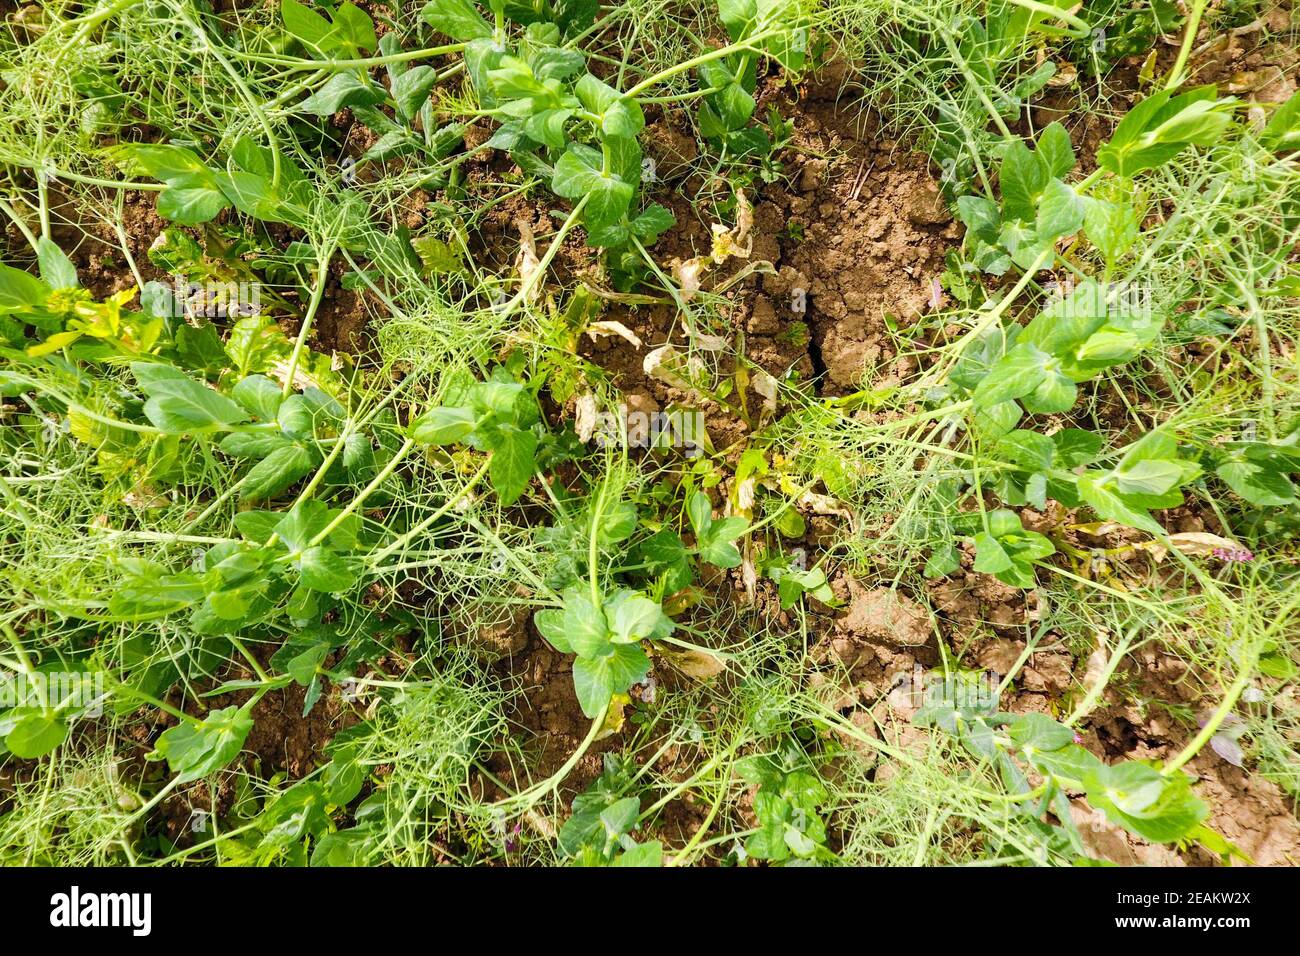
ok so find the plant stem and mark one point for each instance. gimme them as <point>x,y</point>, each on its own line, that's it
<point>535,793</point>
<point>428,522</point>
<point>1189,37</point>
<point>743,46</point>
<point>365,492</point>
<point>322,277</point>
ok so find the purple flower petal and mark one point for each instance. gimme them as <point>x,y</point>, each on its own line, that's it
<point>1226,748</point>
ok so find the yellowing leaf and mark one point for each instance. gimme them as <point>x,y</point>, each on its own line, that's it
<point>690,662</point>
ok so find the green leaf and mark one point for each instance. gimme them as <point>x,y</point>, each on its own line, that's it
<point>340,90</point>
<point>1282,134</point>
<point>942,562</point>
<point>617,523</point>
<point>276,472</point>
<point>1023,177</point>
<point>760,770</point>
<point>700,512</point>
<point>257,526</point>
<point>514,454</point>
<point>166,163</point>
<point>620,817</point>
<point>253,194</point>
<point>619,116</point>
<point>980,216</point>
<point>585,627</point>
<point>1060,213</point>
<point>793,584</point>
<point>733,103</point>
<point>1149,477</point>
<point>253,444</point>
<point>303,667</point>
<point>351,32</point>
<point>355,27</point>
<point>255,344</point>
<point>1017,373</point>
<point>154,593</point>
<point>412,88</point>
<point>20,291</point>
<point>788,47</point>
<point>1075,446</point>
<point>547,126</point>
<point>191,204</point>
<point>295,814</point>
<point>1141,799</point>
<point>307,518</point>
<point>481,56</point>
<point>443,426</point>
<point>1096,490</point>
<point>325,570</point>
<point>1029,450</point>
<point>456,18</point>
<point>667,558</point>
<point>57,270</point>
<point>1162,126</point>
<point>632,617</point>
<point>305,25</point>
<point>555,63</point>
<point>259,396</point>
<point>597,679</point>
<point>1008,551</point>
<point>179,404</point>
<point>641,855</point>
<point>344,777</point>
<point>990,556</point>
<point>1111,227</point>
<point>1071,762</point>
<point>1055,149</point>
<point>737,16</point>
<point>194,749</point>
<point>768,843</point>
<point>550,624</point>
<point>653,221</point>
<point>579,173</point>
<point>33,733</point>
<point>713,539</point>
<point>1032,732</point>
<point>716,546</point>
<point>1258,482</point>
<point>301,414</point>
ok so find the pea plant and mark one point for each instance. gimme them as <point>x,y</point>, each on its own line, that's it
<point>1008,372</point>
<point>403,406</point>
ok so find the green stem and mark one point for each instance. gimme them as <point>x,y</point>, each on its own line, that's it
<point>322,276</point>
<point>535,793</point>
<point>28,670</point>
<point>551,251</point>
<point>986,322</point>
<point>746,46</point>
<point>247,655</point>
<point>428,522</point>
<point>1079,29</point>
<point>593,545</point>
<point>299,64</point>
<point>365,492</point>
<point>1189,37</point>
<point>1212,725</point>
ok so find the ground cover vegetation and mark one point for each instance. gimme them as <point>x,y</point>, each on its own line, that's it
<point>762,432</point>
